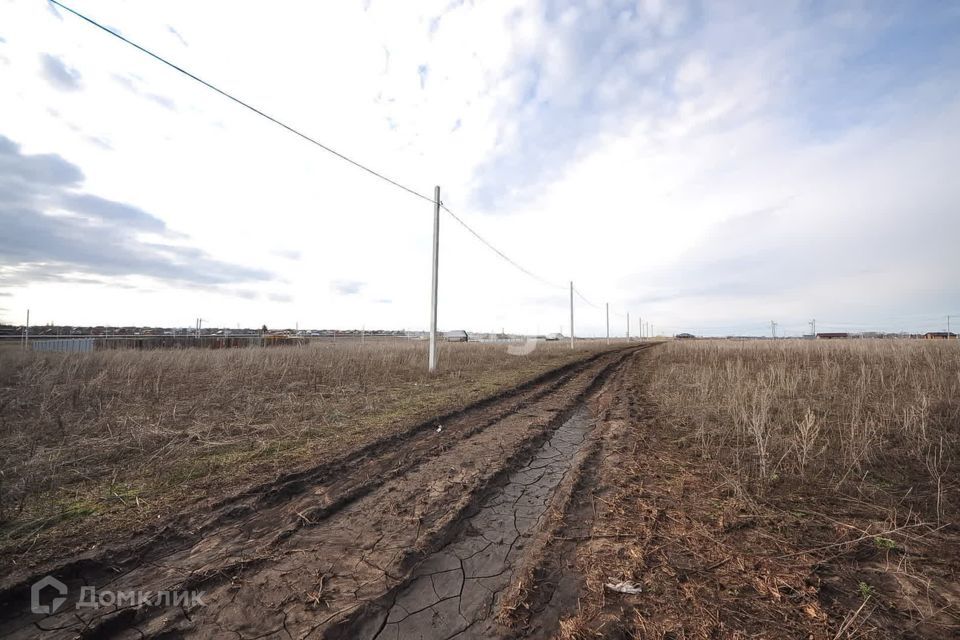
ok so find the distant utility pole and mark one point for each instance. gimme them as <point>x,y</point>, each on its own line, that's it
<point>640,326</point>
<point>432,365</point>
<point>813,327</point>
<point>26,332</point>
<point>608,323</point>
<point>628,326</point>
<point>773,328</point>
<point>571,314</point>
<point>948,326</point>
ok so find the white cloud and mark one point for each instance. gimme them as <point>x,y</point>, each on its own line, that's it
<point>610,143</point>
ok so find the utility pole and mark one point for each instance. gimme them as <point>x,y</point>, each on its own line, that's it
<point>813,328</point>
<point>571,314</point>
<point>640,326</point>
<point>948,326</point>
<point>432,365</point>
<point>608,323</point>
<point>628,326</point>
<point>26,332</point>
<point>773,328</point>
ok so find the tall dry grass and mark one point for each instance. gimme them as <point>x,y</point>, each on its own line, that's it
<point>786,413</point>
<point>83,432</point>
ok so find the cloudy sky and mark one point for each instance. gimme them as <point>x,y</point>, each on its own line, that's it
<point>708,166</point>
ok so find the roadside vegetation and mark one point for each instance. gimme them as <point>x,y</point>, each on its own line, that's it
<point>94,445</point>
<point>801,489</point>
<point>864,417</point>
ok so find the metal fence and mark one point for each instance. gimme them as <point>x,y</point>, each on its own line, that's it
<point>79,345</point>
<point>86,344</point>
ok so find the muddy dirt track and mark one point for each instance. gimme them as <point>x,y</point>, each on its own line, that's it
<point>432,534</point>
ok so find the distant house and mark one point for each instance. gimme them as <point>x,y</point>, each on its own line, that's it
<point>939,335</point>
<point>832,336</point>
<point>458,335</point>
<point>684,336</point>
<point>554,336</point>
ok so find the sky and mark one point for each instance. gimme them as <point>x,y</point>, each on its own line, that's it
<point>706,167</point>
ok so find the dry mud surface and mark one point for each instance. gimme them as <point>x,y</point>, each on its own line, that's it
<point>434,534</point>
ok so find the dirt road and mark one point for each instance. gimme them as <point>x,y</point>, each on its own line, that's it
<point>437,533</point>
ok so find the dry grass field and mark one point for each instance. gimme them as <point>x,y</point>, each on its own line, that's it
<point>95,445</point>
<point>735,489</point>
<point>812,488</point>
<point>851,414</point>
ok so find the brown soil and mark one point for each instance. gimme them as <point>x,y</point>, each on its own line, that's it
<point>509,519</point>
<point>714,562</point>
<point>320,552</point>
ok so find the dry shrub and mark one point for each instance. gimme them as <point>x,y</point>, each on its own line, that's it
<point>883,411</point>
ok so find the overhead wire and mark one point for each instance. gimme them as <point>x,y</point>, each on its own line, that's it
<point>584,298</point>
<point>319,144</point>
<point>244,104</point>
<point>498,251</point>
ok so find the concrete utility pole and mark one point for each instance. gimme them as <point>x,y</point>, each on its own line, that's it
<point>628,326</point>
<point>640,326</point>
<point>432,366</point>
<point>571,314</point>
<point>948,325</point>
<point>608,323</point>
<point>26,332</point>
<point>773,328</point>
<point>813,327</point>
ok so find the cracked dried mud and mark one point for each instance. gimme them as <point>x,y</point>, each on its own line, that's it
<point>418,536</point>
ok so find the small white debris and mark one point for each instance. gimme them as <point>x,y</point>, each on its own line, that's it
<point>624,587</point>
<point>440,428</point>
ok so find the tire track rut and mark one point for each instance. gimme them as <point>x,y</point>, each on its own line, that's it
<point>301,555</point>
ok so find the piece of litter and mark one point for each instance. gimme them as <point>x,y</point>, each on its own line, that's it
<point>624,587</point>
<point>439,429</point>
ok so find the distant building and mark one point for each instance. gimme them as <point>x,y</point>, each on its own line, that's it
<point>458,335</point>
<point>832,336</point>
<point>939,335</point>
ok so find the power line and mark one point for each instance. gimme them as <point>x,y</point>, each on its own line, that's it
<point>584,298</point>
<point>498,252</point>
<point>313,141</point>
<point>244,104</point>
